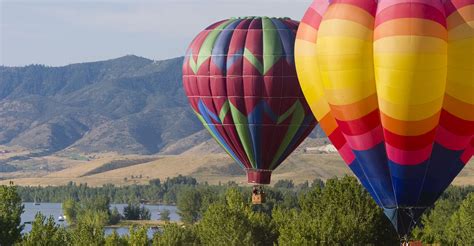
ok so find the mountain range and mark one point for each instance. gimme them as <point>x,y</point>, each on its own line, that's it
<point>128,105</point>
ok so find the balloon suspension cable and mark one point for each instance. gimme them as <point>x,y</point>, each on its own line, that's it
<point>405,239</point>
<point>257,189</point>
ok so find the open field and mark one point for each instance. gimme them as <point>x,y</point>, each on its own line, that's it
<point>212,168</point>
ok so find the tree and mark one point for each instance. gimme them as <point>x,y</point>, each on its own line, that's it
<point>317,183</point>
<point>10,215</point>
<point>434,221</point>
<point>290,200</point>
<point>348,214</point>
<point>264,231</point>
<point>136,212</point>
<point>145,213</point>
<point>221,225</point>
<point>234,199</point>
<point>131,212</point>
<point>234,223</point>
<point>100,203</point>
<point>115,217</point>
<point>209,195</point>
<point>89,228</point>
<point>303,186</point>
<point>284,184</point>
<point>155,182</point>
<point>45,232</point>
<point>340,213</point>
<point>189,205</point>
<point>70,210</point>
<point>165,215</point>
<point>460,229</point>
<point>295,228</point>
<point>114,239</point>
<point>173,234</point>
<point>138,236</point>
<point>180,180</point>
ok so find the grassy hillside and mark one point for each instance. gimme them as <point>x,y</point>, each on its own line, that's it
<point>212,168</point>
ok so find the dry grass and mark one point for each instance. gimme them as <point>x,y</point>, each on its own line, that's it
<point>299,167</point>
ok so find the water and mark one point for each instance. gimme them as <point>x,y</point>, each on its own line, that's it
<point>47,209</point>
<point>55,210</point>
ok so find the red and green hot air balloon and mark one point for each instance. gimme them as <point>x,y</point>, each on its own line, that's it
<point>391,82</point>
<point>240,79</point>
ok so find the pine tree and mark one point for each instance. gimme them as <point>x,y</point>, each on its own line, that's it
<point>10,215</point>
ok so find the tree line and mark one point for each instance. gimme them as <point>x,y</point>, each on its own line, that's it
<point>156,191</point>
<point>338,211</point>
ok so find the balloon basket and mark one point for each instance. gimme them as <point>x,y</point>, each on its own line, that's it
<point>258,195</point>
<point>258,176</point>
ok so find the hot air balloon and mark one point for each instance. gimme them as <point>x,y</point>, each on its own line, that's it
<point>391,82</point>
<point>240,79</point>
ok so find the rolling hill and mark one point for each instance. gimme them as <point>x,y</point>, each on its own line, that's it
<point>127,105</point>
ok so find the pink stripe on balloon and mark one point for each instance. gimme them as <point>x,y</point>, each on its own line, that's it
<point>467,154</point>
<point>408,157</point>
<point>368,5</point>
<point>450,140</point>
<point>367,140</point>
<point>383,4</point>
<point>320,6</point>
<point>346,153</point>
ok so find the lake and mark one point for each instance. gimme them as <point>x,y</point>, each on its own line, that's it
<point>55,210</point>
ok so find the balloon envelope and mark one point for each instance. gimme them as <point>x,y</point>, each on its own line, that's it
<point>392,85</point>
<point>240,78</point>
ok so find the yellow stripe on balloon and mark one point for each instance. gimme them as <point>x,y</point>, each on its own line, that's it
<point>349,95</point>
<point>460,84</point>
<point>349,28</point>
<point>460,77</point>
<point>343,46</point>
<point>305,53</point>
<point>422,62</point>
<point>410,44</point>
<point>463,47</point>
<point>406,87</point>
<point>409,112</point>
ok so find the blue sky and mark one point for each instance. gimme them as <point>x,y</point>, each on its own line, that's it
<point>60,32</point>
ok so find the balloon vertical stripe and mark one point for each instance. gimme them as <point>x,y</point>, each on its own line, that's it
<point>306,58</point>
<point>454,135</point>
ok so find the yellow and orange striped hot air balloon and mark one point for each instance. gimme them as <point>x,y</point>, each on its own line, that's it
<point>391,82</point>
